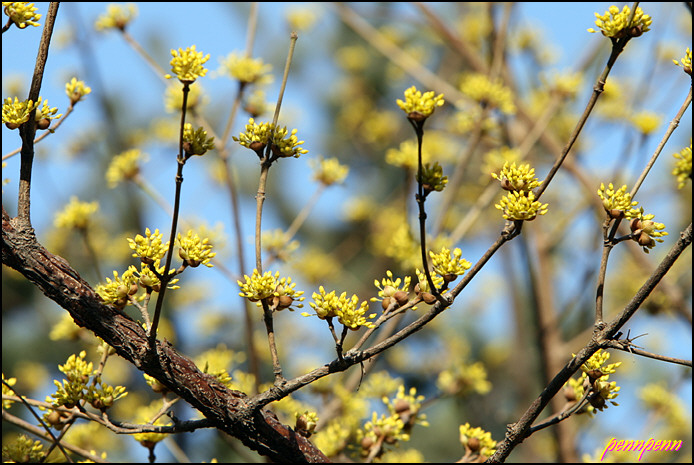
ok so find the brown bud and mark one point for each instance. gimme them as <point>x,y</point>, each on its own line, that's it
<point>385,303</point>
<point>428,297</point>
<point>401,297</point>
<point>473,444</point>
<point>43,123</point>
<point>645,240</point>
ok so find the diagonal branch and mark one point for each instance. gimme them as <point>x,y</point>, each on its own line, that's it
<point>228,410</point>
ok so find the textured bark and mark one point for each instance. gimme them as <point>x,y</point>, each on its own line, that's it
<point>228,410</point>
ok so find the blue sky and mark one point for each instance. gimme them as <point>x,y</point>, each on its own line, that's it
<point>218,29</point>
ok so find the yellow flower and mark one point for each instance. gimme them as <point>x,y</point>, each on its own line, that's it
<point>149,248</point>
<point>116,291</point>
<point>477,441</point>
<point>125,165</point>
<point>617,203</point>
<point>245,69</point>
<point>22,13</point>
<point>447,266</point>
<point>116,17</point>
<point>76,90</point>
<point>685,62</point>
<point>257,136</point>
<point>195,251</point>
<point>480,89</point>
<point>23,450</point>
<point>196,142</point>
<point>257,288</point>
<point>187,64</point>
<point>646,122</point>
<point>521,178</point>
<point>683,166</point>
<point>14,114</point>
<point>614,24</point>
<point>646,232</point>
<point>420,106</point>
<point>76,214</point>
<point>329,171</point>
<point>519,205</point>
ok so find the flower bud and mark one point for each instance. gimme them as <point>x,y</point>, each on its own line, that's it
<point>43,123</point>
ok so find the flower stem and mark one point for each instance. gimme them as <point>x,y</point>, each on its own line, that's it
<point>174,222</point>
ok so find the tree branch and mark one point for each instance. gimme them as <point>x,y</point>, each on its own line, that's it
<point>228,410</point>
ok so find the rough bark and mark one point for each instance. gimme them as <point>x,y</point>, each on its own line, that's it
<point>228,410</point>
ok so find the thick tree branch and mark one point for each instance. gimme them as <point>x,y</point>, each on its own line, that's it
<point>226,409</point>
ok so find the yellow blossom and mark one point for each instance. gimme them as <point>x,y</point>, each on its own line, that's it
<point>187,64</point>
<point>685,62</point>
<point>22,14</point>
<point>420,106</point>
<point>477,441</point>
<point>124,166</point>
<point>683,166</point>
<point>245,69</point>
<point>329,171</point>
<point>518,205</point>
<point>617,203</point>
<point>76,214</point>
<point>614,23</point>
<point>480,89</point>
<point>194,250</point>
<point>76,90</point>
<point>14,114</point>
<point>116,17</point>
<point>646,122</point>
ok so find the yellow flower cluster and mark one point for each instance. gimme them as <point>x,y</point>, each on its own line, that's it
<point>76,90</point>
<point>196,142</point>
<point>683,166</point>
<point>685,62</point>
<point>614,23</point>
<point>464,379</point>
<point>257,288</point>
<point>646,122</point>
<point>245,69</point>
<point>329,171</point>
<point>187,64</point>
<point>124,166</point>
<point>494,94</point>
<point>14,114</point>
<point>447,266</point>
<point>432,178</point>
<point>23,450</point>
<point>597,374</point>
<point>646,232</point>
<point>520,203</point>
<point>7,391</point>
<point>76,214</point>
<point>149,248</point>
<point>116,291</point>
<point>617,203</point>
<point>390,290</point>
<point>346,310</point>
<point>195,251</point>
<point>22,14</point>
<point>420,106</point>
<point>517,178</point>
<point>278,245</point>
<point>257,136</point>
<point>477,441</point>
<point>116,17</point>
<point>407,407</point>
